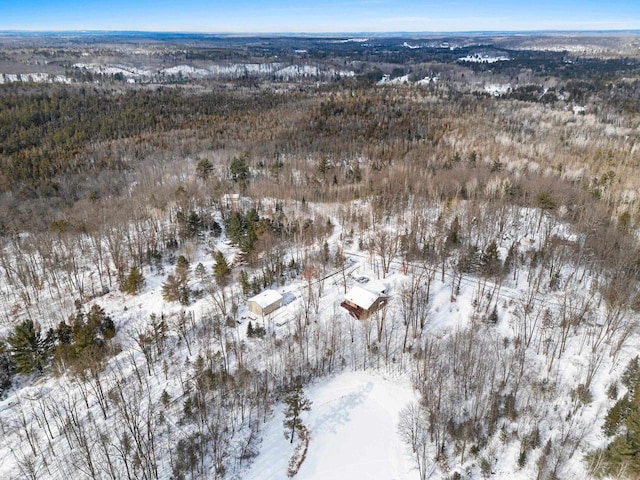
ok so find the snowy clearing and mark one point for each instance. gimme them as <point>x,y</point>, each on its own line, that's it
<point>497,89</point>
<point>353,426</point>
<point>484,58</point>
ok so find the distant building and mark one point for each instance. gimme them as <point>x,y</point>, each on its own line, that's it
<point>361,303</point>
<point>264,303</point>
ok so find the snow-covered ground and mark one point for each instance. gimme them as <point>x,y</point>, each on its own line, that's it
<point>428,80</point>
<point>484,58</point>
<point>351,40</point>
<point>353,422</point>
<point>125,70</point>
<point>32,77</point>
<point>387,80</point>
<point>497,89</point>
<point>281,71</point>
<point>353,426</point>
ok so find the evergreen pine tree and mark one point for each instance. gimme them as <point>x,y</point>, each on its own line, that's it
<point>204,169</point>
<point>171,289</point>
<point>221,268</point>
<point>323,166</point>
<point>252,220</point>
<point>239,170</point>
<point>235,228</point>
<point>201,272</point>
<point>545,201</point>
<point>244,282</point>
<point>184,296</point>
<point>7,368</point>
<point>493,317</point>
<point>631,375</point>
<point>98,320</point>
<point>490,261</point>
<point>510,258</point>
<point>182,269</point>
<point>63,333</point>
<point>176,289</point>
<point>29,349</point>
<point>615,416</point>
<point>165,398</point>
<point>295,404</point>
<point>623,453</point>
<point>83,342</point>
<point>134,281</point>
<point>194,223</point>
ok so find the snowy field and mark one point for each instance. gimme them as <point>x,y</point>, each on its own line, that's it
<point>353,426</point>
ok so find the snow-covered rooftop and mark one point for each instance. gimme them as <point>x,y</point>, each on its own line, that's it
<point>266,298</point>
<point>361,297</point>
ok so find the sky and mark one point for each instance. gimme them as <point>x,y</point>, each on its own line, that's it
<point>320,16</point>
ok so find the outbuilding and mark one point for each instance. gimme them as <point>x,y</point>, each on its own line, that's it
<point>265,302</point>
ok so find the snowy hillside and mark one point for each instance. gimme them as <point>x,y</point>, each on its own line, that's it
<point>32,77</point>
<point>277,70</point>
<point>483,363</point>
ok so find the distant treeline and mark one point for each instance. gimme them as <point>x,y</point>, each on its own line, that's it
<point>43,130</point>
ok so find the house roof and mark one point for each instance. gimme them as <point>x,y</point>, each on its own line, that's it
<point>266,298</point>
<point>361,297</point>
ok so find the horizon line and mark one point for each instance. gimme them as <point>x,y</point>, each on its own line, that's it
<point>314,34</point>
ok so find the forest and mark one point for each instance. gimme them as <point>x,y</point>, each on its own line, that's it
<point>139,213</point>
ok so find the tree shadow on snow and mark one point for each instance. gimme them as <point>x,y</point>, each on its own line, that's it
<point>339,411</point>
